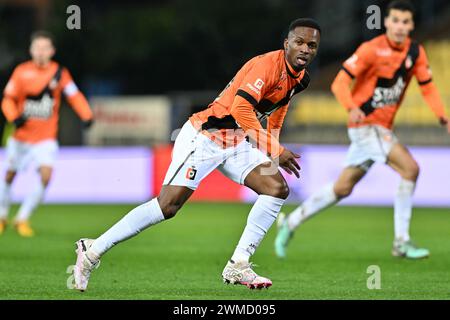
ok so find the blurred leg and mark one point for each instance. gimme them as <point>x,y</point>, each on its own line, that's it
<point>35,197</point>
<point>326,197</point>
<point>5,194</point>
<point>402,161</point>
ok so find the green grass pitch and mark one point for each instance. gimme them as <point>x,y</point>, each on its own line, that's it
<point>183,258</point>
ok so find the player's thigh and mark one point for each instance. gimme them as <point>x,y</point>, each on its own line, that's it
<point>17,155</point>
<point>194,156</point>
<point>242,160</point>
<point>44,155</point>
<point>346,181</point>
<point>45,172</point>
<point>369,144</point>
<point>401,160</point>
<point>248,166</point>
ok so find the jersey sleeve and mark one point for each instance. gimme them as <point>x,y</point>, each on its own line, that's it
<point>429,91</point>
<point>12,89</point>
<point>275,121</point>
<point>74,96</point>
<point>252,89</point>
<point>422,69</point>
<point>242,111</point>
<point>341,90</point>
<point>360,61</point>
<point>68,85</point>
<point>11,95</point>
<point>256,82</point>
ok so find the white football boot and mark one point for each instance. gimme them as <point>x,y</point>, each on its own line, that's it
<point>242,273</point>
<point>84,266</point>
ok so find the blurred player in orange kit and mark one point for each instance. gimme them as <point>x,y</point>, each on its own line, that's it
<point>382,69</point>
<point>31,102</point>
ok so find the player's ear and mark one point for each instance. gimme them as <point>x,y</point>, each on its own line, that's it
<point>412,25</point>
<point>285,43</point>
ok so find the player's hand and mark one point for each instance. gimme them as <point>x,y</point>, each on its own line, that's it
<point>287,161</point>
<point>88,123</point>
<point>20,121</point>
<point>444,121</point>
<point>356,115</point>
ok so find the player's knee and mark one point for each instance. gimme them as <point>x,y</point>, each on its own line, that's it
<point>169,211</point>
<point>169,208</point>
<point>10,175</point>
<point>278,189</point>
<point>412,171</point>
<point>343,190</point>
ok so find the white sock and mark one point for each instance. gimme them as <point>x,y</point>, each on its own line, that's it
<point>261,217</point>
<point>5,199</point>
<point>31,202</point>
<point>135,221</point>
<point>403,209</point>
<point>314,204</point>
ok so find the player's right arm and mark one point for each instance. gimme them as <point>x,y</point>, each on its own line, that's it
<point>428,89</point>
<point>358,63</point>
<point>76,99</point>
<point>10,100</point>
<point>254,85</point>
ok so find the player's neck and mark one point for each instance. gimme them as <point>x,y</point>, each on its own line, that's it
<point>396,45</point>
<point>41,65</point>
<point>291,71</point>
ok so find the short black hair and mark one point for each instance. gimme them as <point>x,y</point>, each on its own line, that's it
<point>304,22</point>
<point>42,34</point>
<point>402,5</point>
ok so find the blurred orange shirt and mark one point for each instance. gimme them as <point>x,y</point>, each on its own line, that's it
<point>261,90</point>
<point>382,71</point>
<point>26,94</point>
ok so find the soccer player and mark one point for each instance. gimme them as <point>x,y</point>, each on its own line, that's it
<point>217,138</point>
<point>31,102</point>
<point>381,69</point>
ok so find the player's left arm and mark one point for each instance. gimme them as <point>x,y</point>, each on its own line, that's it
<point>428,89</point>
<point>76,99</point>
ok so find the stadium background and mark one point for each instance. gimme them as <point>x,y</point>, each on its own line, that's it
<point>145,66</point>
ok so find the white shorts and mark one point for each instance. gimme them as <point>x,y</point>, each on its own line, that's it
<point>369,144</point>
<point>194,156</point>
<point>20,154</point>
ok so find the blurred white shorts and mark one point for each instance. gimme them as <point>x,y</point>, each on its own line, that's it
<point>20,154</point>
<point>194,156</point>
<point>369,144</point>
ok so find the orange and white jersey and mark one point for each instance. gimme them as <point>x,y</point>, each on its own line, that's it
<point>35,93</point>
<point>382,71</point>
<point>261,90</point>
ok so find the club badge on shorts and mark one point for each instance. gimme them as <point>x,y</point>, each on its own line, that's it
<point>190,173</point>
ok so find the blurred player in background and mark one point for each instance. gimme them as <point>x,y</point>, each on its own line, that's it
<point>216,138</point>
<point>382,69</point>
<point>31,102</point>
